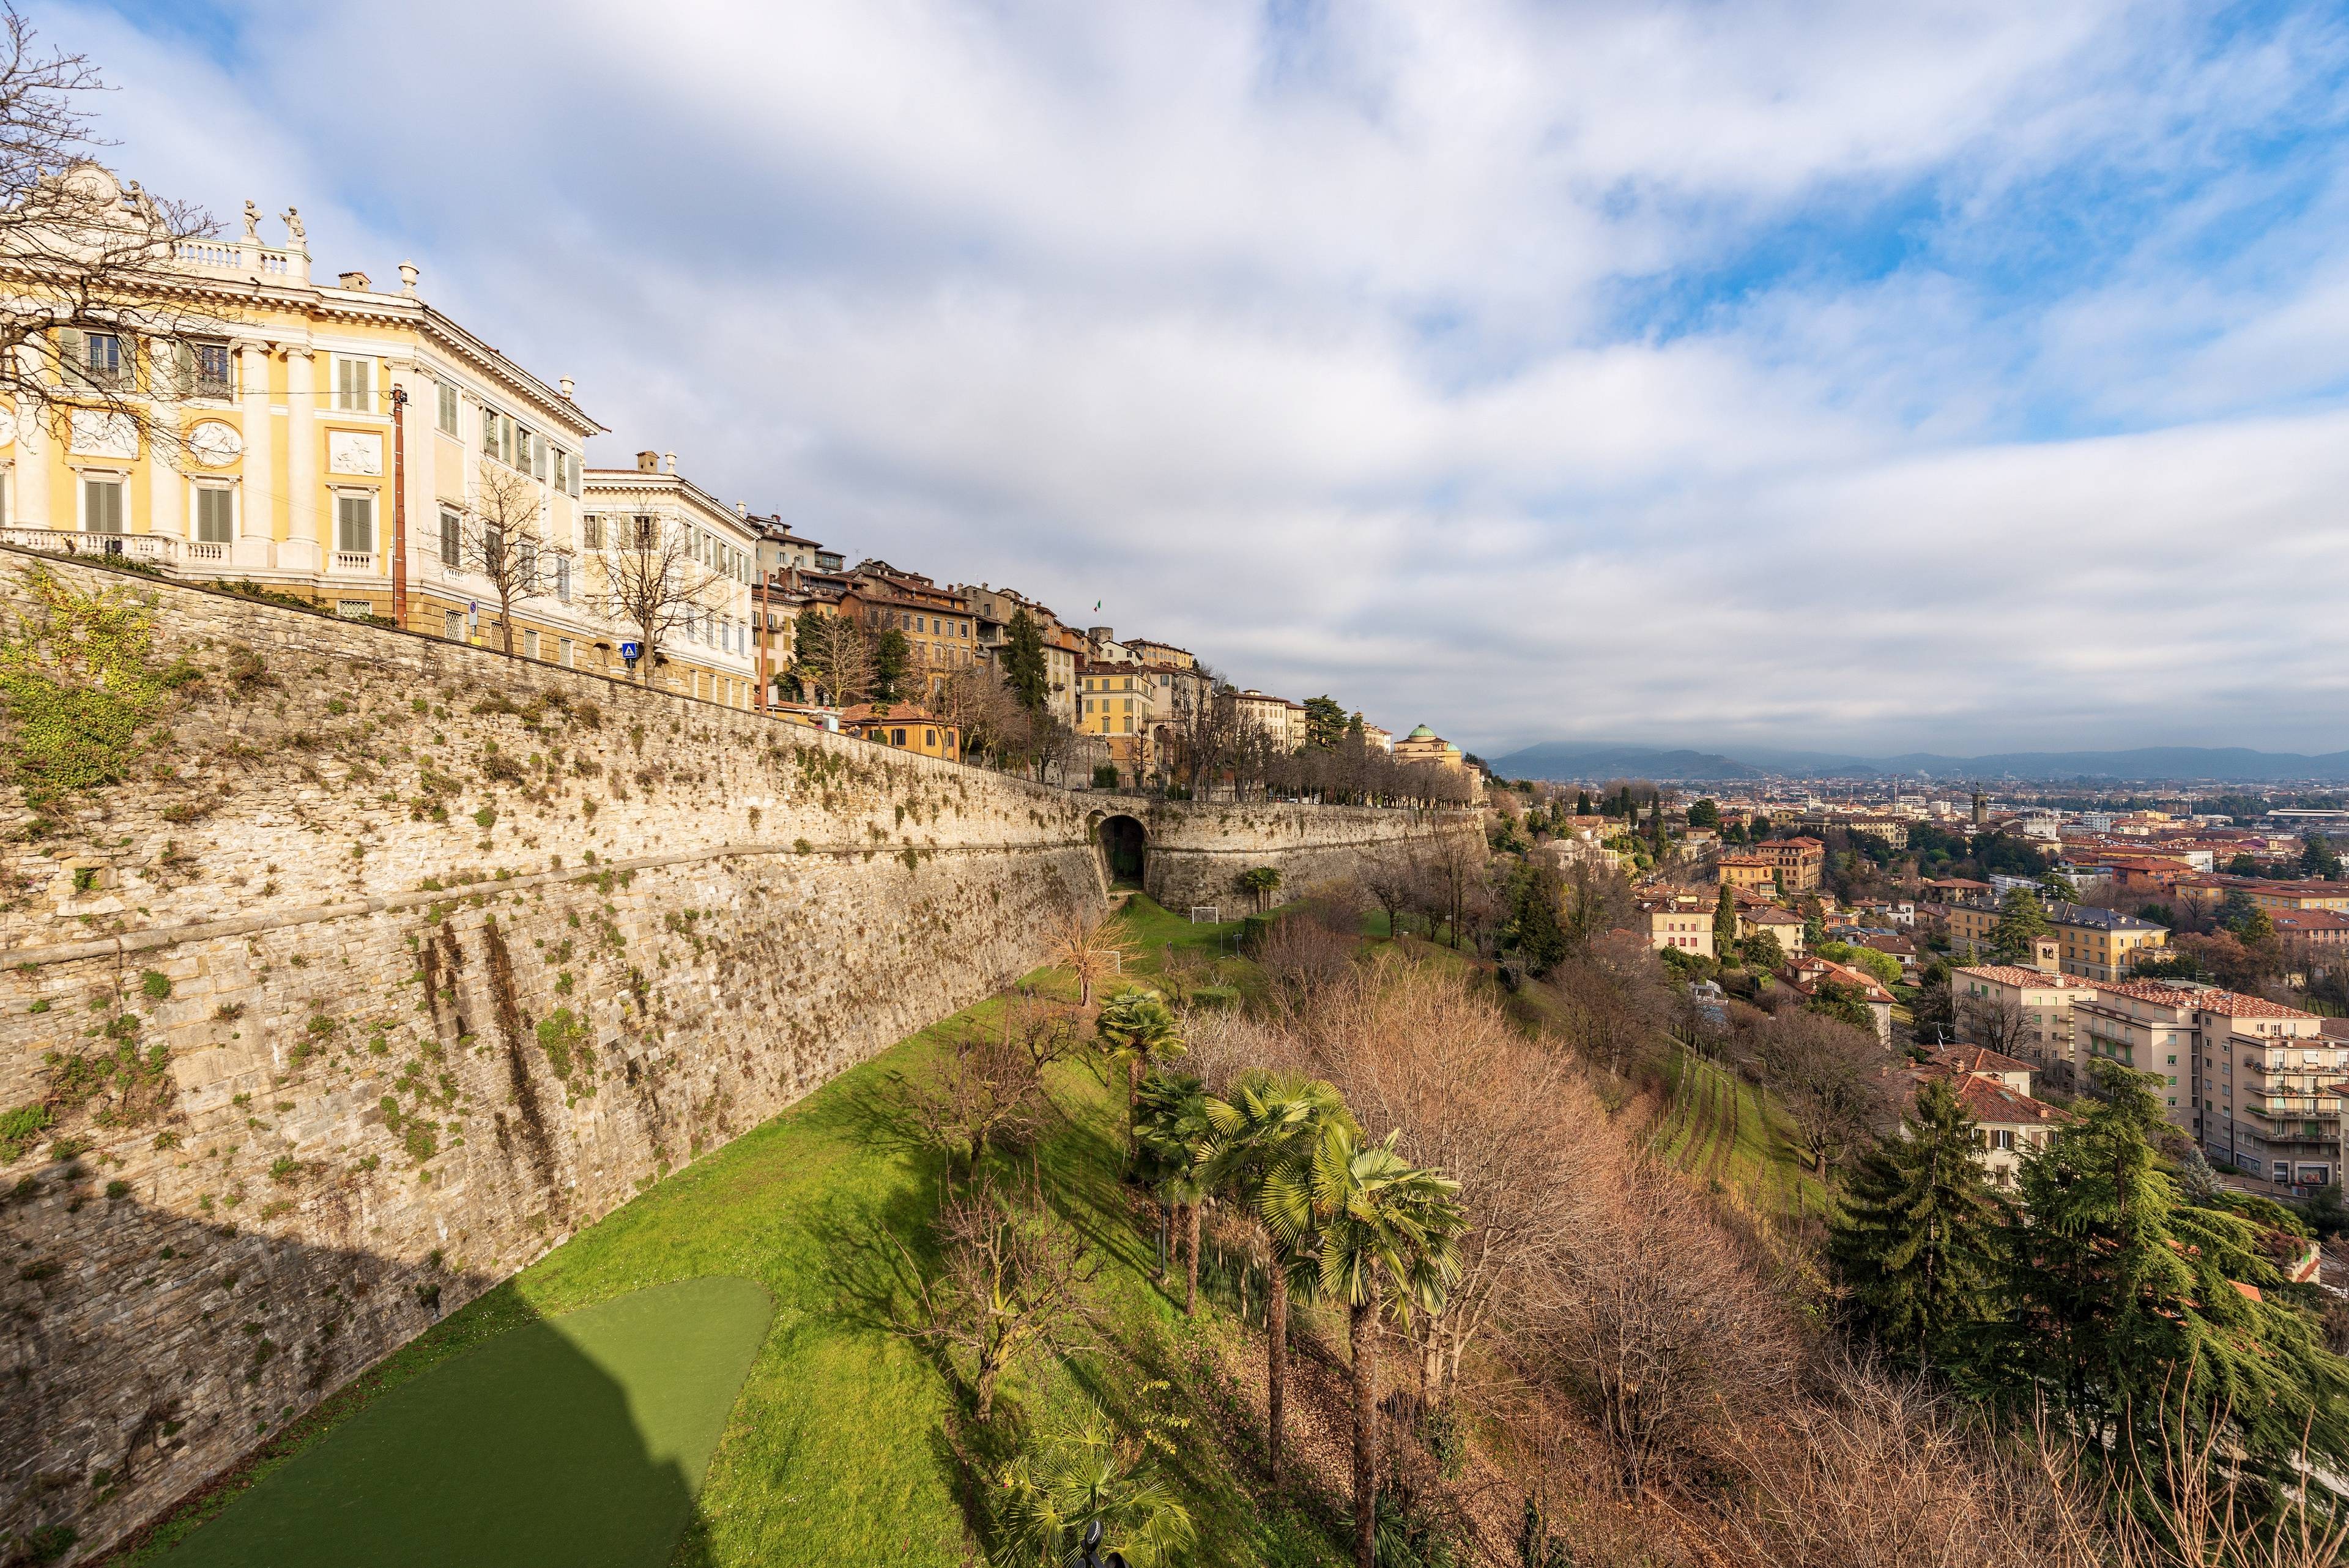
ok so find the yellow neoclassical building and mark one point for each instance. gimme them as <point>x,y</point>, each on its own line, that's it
<point>251,424</point>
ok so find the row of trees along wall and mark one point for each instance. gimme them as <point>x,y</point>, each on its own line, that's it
<point>348,970</point>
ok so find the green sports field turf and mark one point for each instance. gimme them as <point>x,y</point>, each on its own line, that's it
<point>570,1442</point>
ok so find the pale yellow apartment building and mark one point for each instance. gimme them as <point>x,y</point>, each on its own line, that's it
<point>2029,1008</point>
<point>253,425</point>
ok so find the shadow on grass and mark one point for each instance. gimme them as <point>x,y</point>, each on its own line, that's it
<point>559,1442</point>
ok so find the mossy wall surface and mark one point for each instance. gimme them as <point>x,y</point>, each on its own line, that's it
<point>362,967</point>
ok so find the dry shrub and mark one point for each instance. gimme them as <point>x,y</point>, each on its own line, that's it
<point>1872,1469</point>
<point>1340,907</point>
<point>1659,1326</point>
<point>1304,959</point>
<point>1420,1050</point>
<point>1224,1043</point>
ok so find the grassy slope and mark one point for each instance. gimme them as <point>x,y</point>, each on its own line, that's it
<point>837,1447</point>
<point>1719,1129</point>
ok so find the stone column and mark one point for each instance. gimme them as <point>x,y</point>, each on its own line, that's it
<point>29,507</point>
<point>302,451</point>
<point>263,508</point>
<point>165,491</point>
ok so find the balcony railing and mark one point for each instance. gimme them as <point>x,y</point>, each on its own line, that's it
<point>201,550</point>
<point>156,549</point>
<point>353,562</point>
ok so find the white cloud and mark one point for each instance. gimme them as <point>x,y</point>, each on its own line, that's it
<point>1305,344</point>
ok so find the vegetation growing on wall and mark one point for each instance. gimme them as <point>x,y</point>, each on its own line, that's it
<point>79,687</point>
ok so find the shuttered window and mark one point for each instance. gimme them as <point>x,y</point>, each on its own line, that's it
<point>101,505</point>
<point>355,385</point>
<point>449,547</point>
<point>355,525</point>
<point>447,411</point>
<point>215,514</point>
<point>591,529</point>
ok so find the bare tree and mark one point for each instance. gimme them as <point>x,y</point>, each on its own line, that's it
<point>1091,947</point>
<point>651,581</point>
<point>93,333</point>
<point>974,698</point>
<point>832,655</point>
<point>1996,1022</point>
<point>502,538</point>
<point>1394,887</point>
<point>1826,1072</point>
<point>1010,1280</point>
<point>983,1088</point>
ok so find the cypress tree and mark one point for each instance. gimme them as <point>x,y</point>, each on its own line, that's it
<point>1916,1235</point>
<point>1724,925</point>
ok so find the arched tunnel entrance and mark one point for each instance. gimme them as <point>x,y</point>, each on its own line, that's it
<point>1124,850</point>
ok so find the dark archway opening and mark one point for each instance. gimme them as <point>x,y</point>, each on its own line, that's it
<point>1124,846</point>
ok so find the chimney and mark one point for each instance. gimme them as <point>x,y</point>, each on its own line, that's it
<point>358,280</point>
<point>647,463</point>
<point>668,462</point>
<point>562,385</point>
<point>408,276</point>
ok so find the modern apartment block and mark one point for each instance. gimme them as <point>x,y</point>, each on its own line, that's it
<point>2252,1080</point>
<point>2029,1011</point>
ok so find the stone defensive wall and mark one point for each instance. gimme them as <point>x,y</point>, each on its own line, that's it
<point>348,970</point>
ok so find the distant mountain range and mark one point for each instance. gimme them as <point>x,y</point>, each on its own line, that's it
<point>1567,761</point>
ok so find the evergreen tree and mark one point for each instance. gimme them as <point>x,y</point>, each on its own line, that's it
<point>2021,923</point>
<point>1325,722</point>
<point>891,656</point>
<point>2135,1311</point>
<point>1915,1234</point>
<point>1724,923</point>
<point>2319,858</point>
<point>2055,885</point>
<point>1582,803</point>
<point>1023,662</point>
<point>1536,930</point>
<point>1705,813</point>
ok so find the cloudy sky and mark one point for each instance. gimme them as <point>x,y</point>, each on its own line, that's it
<point>1850,375</point>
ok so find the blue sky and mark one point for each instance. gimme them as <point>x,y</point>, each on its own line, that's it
<point>1881,377</point>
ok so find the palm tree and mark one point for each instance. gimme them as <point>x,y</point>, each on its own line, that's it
<point>1081,1469</point>
<point>1386,1241</point>
<point>1270,1123</point>
<point>1170,1129</point>
<point>1139,1027</point>
<point>1089,947</point>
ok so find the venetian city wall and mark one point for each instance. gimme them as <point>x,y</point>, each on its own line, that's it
<point>379,964</point>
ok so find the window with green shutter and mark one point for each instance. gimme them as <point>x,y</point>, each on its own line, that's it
<point>448,539</point>
<point>355,385</point>
<point>101,505</point>
<point>215,514</point>
<point>355,525</point>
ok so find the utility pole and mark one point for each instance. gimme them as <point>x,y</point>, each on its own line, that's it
<point>399,507</point>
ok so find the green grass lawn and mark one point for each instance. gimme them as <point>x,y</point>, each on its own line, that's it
<point>577,1441</point>
<point>838,1448</point>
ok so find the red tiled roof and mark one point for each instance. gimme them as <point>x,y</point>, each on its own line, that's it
<point>2015,974</point>
<point>2147,991</point>
<point>2235,1004</point>
<point>1977,1059</point>
<point>1988,1100</point>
